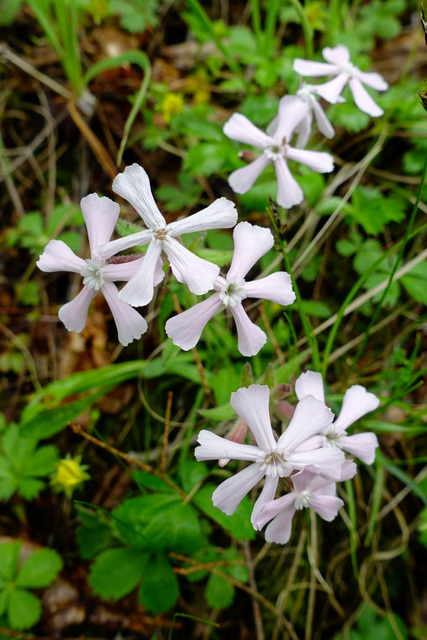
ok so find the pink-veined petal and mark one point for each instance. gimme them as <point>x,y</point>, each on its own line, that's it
<point>214,447</point>
<point>276,287</point>
<point>304,130</point>
<point>326,460</point>
<point>199,275</point>
<point>74,313</point>
<point>57,256</point>
<point>291,111</point>
<point>252,405</point>
<point>310,383</point>
<point>139,290</point>
<point>239,128</point>
<point>310,418</point>
<point>373,80</point>
<point>280,528</point>
<point>100,216</point>
<point>186,328</point>
<point>326,507</point>
<point>338,55</point>
<point>312,443</point>
<point>356,403</point>
<point>323,123</point>
<point>360,445</point>
<point>331,91</point>
<point>124,271</point>
<point>134,186</point>
<point>316,160</point>
<point>314,69</point>
<point>348,470</point>
<point>130,324</point>
<point>109,249</point>
<point>363,100</point>
<point>250,338</point>
<point>267,495</point>
<point>221,214</point>
<point>250,243</point>
<point>232,491</point>
<point>289,193</point>
<point>242,179</point>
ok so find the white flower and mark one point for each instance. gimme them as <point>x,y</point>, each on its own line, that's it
<point>276,149</point>
<point>338,64</point>
<point>200,275</point>
<point>356,403</point>
<point>100,215</point>
<point>250,243</point>
<point>270,458</point>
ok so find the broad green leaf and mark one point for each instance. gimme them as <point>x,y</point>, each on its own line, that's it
<point>29,488</point>
<point>93,536</point>
<point>9,552</point>
<point>239,524</point>
<point>24,609</point>
<point>415,283</point>
<point>224,412</point>
<point>116,572</point>
<point>159,588</point>
<point>238,571</point>
<point>220,258</point>
<point>4,601</point>
<point>150,481</point>
<point>219,592</point>
<point>43,461</point>
<point>16,448</point>
<point>40,569</point>
<point>191,473</point>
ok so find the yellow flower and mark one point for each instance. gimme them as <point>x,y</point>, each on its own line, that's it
<point>172,104</point>
<point>69,474</point>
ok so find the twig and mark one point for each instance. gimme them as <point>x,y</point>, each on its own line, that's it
<point>259,629</point>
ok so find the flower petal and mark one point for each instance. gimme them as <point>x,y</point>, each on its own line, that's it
<point>130,324</point>
<point>267,495</point>
<point>239,128</point>
<point>276,287</point>
<point>323,123</point>
<point>252,405</point>
<point>314,69</point>
<point>139,290</point>
<point>311,417</point>
<point>273,508</point>
<point>250,243</point>
<point>214,447</point>
<point>326,460</point>
<point>100,216</point>
<point>291,111</point>
<point>310,383</point>
<point>315,160</point>
<point>338,55</point>
<point>326,507</point>
<point>74,313</point>
<point>242,179</point>
<point>250,337</point>
<point>289,193</point>
<point>57,256</point>
<point>109,249</point>
<point>186,328</point>
<point>199,275</point>
<point>232,491</point>
<point>304,130</point>
<point>124,271</point>
<point>356,403</point>
<point>373,80</point>
<point>363,100</point>
<point>134,186</point>
<point>221,214</point>
<point>360,445</point>
<point>331,91</point>
<point>280,528</point>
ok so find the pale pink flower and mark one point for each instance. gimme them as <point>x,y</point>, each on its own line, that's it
<point>250,243</point>
<point>356,403</point>
<point>338,64</point>
<point>134,186</point>
<point>311,490</point>
<point>100,215</point>
<point>270,458</point>
<point>277,150</point>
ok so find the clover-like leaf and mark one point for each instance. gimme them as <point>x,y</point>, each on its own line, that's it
<point>40,569</point>
<point>24,609</point>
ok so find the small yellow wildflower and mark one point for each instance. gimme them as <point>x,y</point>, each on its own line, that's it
<point>172,104</point>
<point>69,474</point>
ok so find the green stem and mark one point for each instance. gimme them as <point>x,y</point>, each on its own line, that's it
<point>308,31</point>
<point>270,23</point>
<point>256,23</point>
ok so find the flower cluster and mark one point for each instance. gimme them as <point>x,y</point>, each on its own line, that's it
<point>308,455</point>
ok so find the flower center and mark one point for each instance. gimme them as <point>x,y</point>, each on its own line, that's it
<point>161,234</point>
<point>301,500</point>
<point>92,274</point>
<point>276,150</point>
<point>232,292</point>
<point>331,435</point>
<point>349,69</point>
<point>275,464</point>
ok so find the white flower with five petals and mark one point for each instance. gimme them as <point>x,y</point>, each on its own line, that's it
<point>200,275</point>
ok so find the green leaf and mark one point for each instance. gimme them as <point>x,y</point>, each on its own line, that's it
<point>191,473</point>
<point>415,282</point>
<point>349,116</point>
<point>224,412</point>
<point>219,592</point>
<point>239,524</point>
<point>9,552</point>
<point>4,601</point>
<point>207,158</point>
<point>43,461</point>
<point>159,589</point>
<point>116,572</point>
<point>40,569</point>
<point>94,535</point>
<point>373,211</point>
<point>150,481</point>
<point>220,258</point>
<point>24,609</point>
<point>29,488</point>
